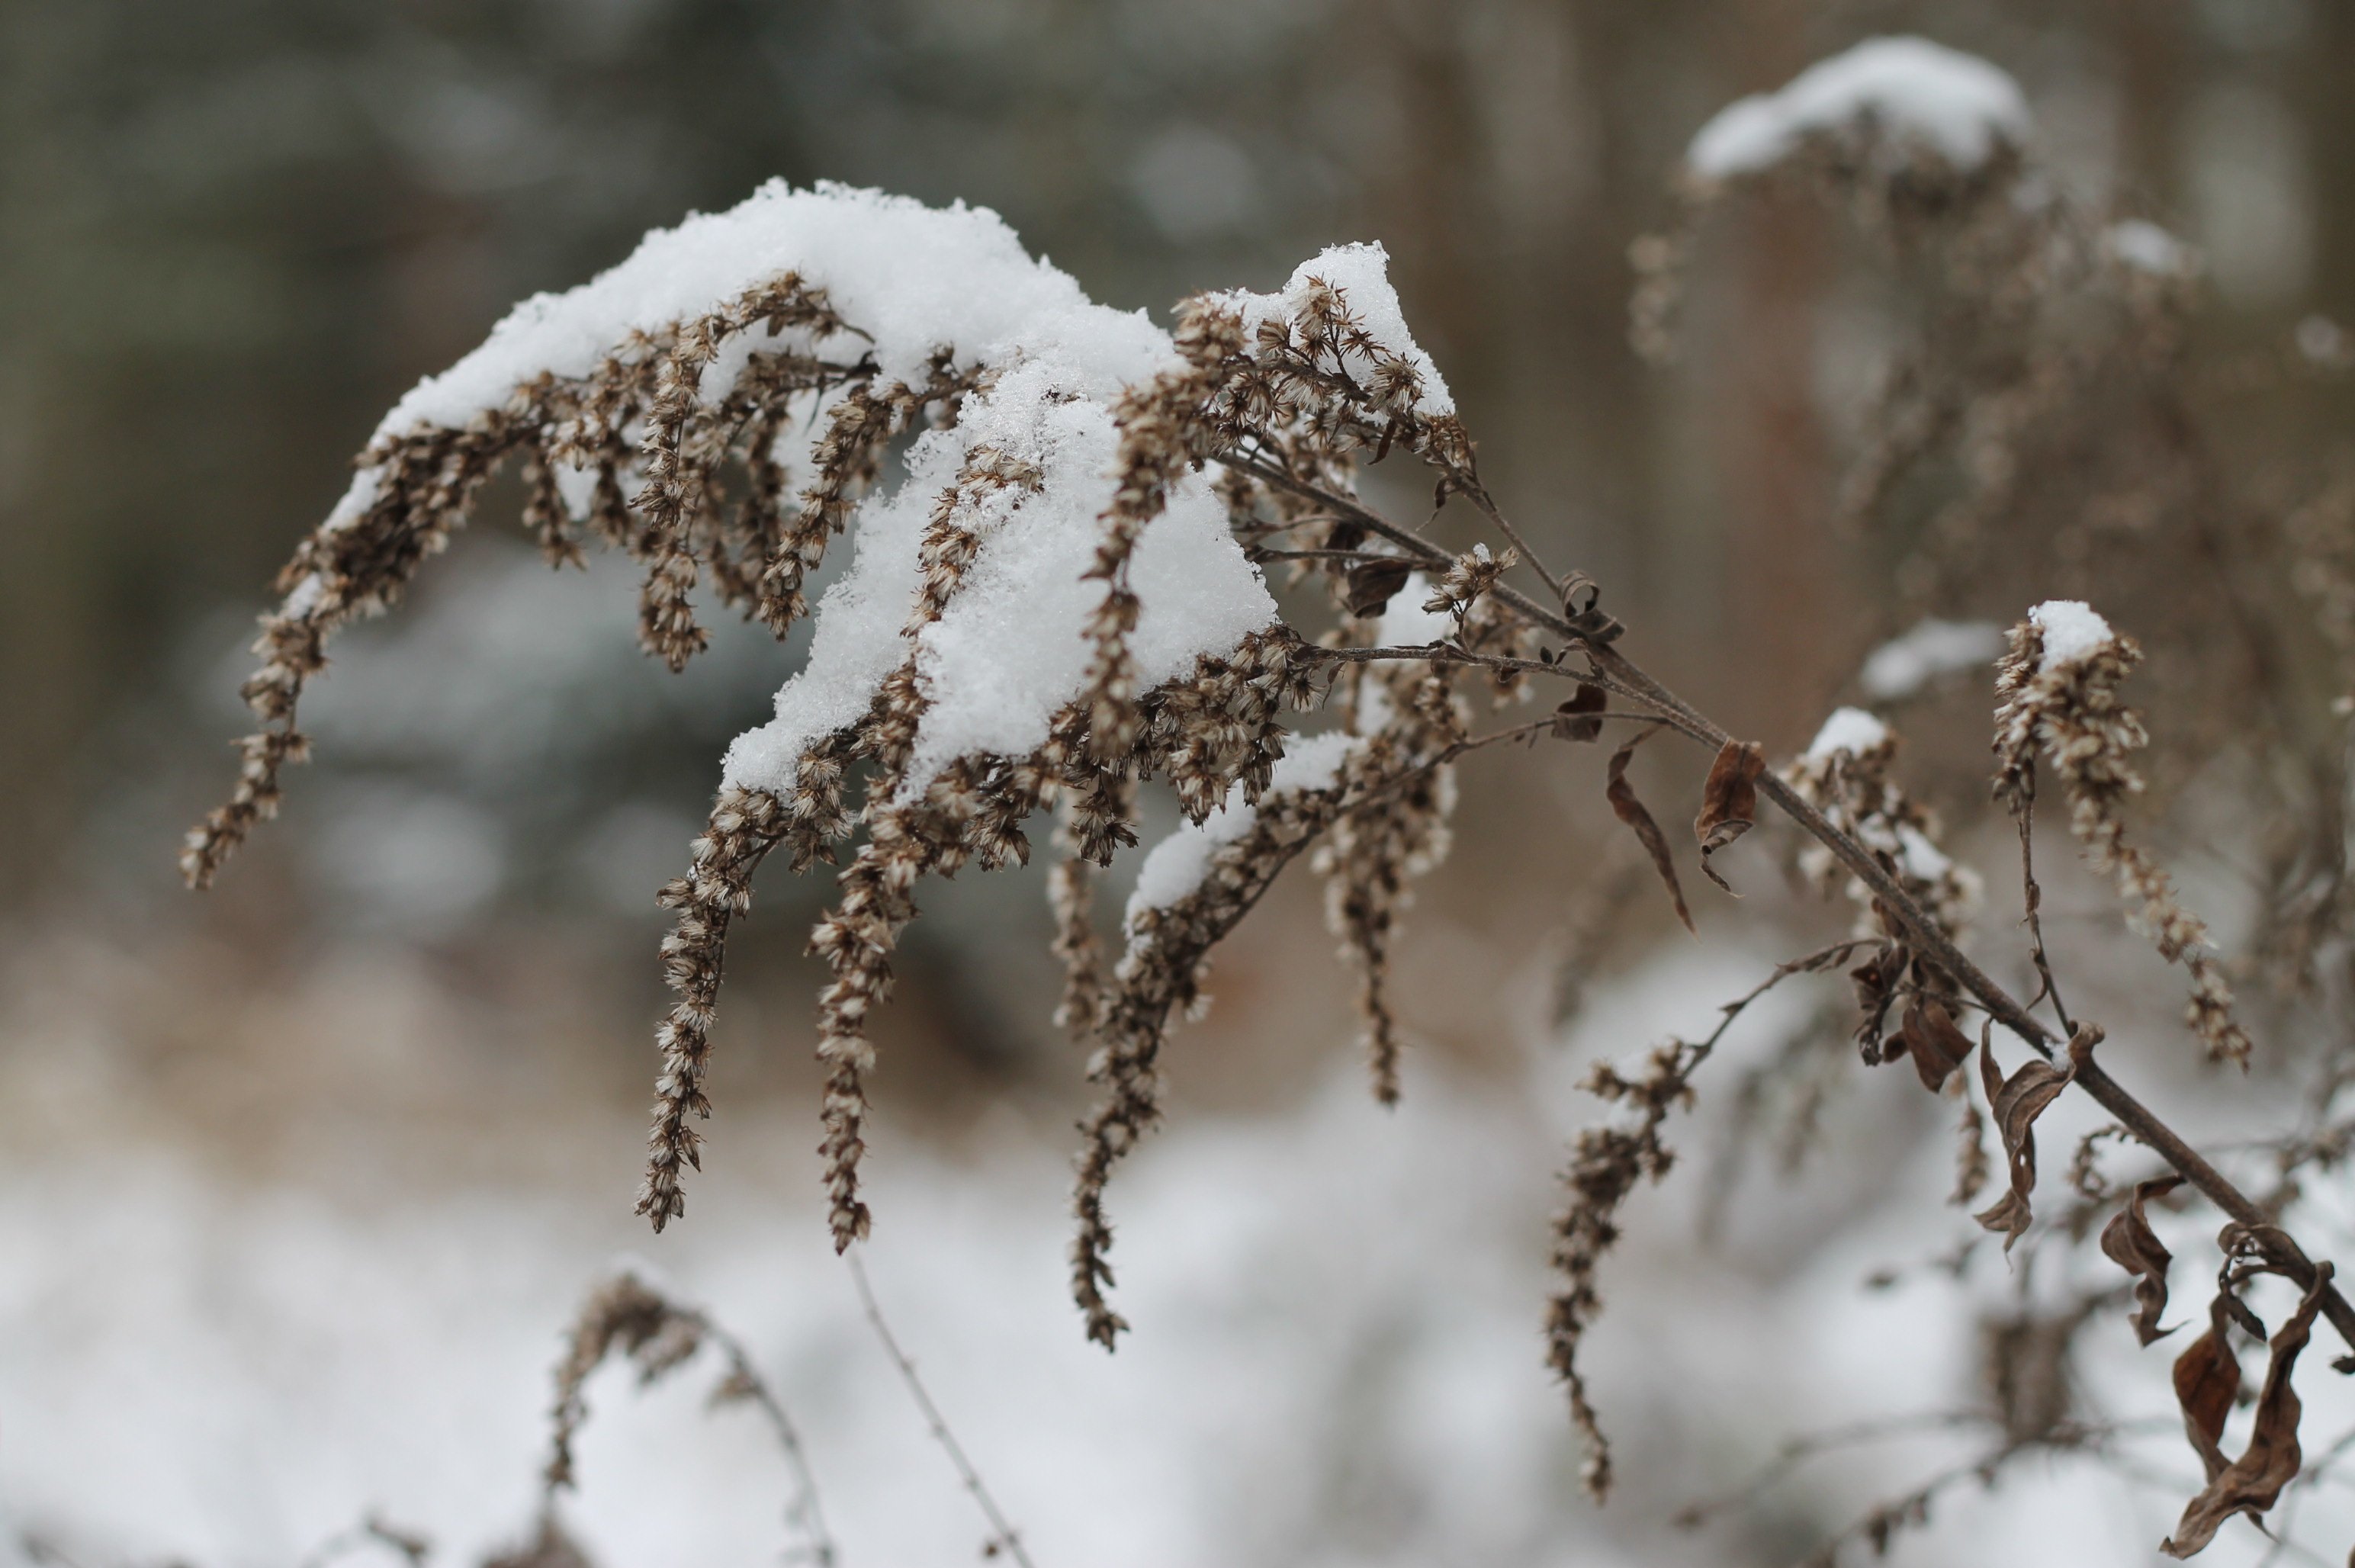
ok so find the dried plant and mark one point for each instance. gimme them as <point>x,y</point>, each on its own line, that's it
<point>629,1316</point>
<point>1062,599</point>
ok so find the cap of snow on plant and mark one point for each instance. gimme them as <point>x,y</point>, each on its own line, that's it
<point>1914,95</point>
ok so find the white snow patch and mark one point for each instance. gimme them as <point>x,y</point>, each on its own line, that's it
<point>1955,105</point>
<point>1924,862</point>
<point>1905,665</point>
<point>2073,633</point>
<point>1176,864</point>
<point>916,278</point>
<point>1011,648</point>
<point>1849,729</point>
<point>2147,248</point>
<point>1362,272</point>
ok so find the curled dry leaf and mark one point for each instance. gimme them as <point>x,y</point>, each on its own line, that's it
<point>1876,987</point>
<point>2251,1483</point>
<point>2207,1382</point>
<point>1574,719</point>
<point>2128,1242</point>
<point>1729,801</point>
<point>1930,1037</point>
<point>1372,584</point>
<point>2015,1103</point>
<point>1629,810</point>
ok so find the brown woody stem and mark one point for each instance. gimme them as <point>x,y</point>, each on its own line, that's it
<point>2108,1092</point>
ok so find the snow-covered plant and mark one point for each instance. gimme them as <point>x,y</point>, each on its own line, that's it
<point>1061,597</point>
<point>1063,594</point>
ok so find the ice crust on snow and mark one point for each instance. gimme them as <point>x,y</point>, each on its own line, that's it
<point>1849,729</point>
<point>2073,633</point>
<point>1903,666</point>
<point>1175,866</point>
<point>1957,105</point>
<point>1363,273</point>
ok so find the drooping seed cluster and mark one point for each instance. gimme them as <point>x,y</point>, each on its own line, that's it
<point>1159,977</point>
<point>1388,838</point>
<point>641,416</point>
<point>745,825</point>
<point>1606,1165</point>
<point>2056,694</point>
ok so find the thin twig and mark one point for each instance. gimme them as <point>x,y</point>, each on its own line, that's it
<point>1796,1451</point>
<point>408,1542</point>
<point>1929,937</point>
<point>1359,557</point>
<point>802,1511</point>
<point>1480,497</point>
<point>1002,1537</point>
<point>2032,896</point>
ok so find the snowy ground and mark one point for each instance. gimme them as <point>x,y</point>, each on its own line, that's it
<point>1336,1356</point>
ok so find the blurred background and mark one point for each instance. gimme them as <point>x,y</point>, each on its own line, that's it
<point>300,1179</point>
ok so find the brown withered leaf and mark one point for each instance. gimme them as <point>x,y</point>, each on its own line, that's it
<point>1876,987</point>
<point>2252,1483</point>
<point>1574,718</point>
<point>1346,533</point>
<point>2207,1382</point>
<point>2015,1103</point>
<point>1372,584</point>
<point>1930,1037</point>
<point>2128,1242</point>
<point>1629,810</point>
<point>1729,802</point>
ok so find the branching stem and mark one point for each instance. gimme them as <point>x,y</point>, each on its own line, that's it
<point>1003,1536</point>
<point>1622,673</point>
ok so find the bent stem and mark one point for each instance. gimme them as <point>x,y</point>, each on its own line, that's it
<point>1622,673</point>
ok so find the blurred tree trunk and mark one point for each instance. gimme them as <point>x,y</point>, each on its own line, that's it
<point>1783,583</point>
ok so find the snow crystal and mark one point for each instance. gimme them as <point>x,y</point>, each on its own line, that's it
<point>1957,105</point>
<point>2147,248</point>
<point>1176,864</point>
<point>1849,729</point>
<point>1362,271</point>
<point>2073,631</point>
<point>1903,666</point>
